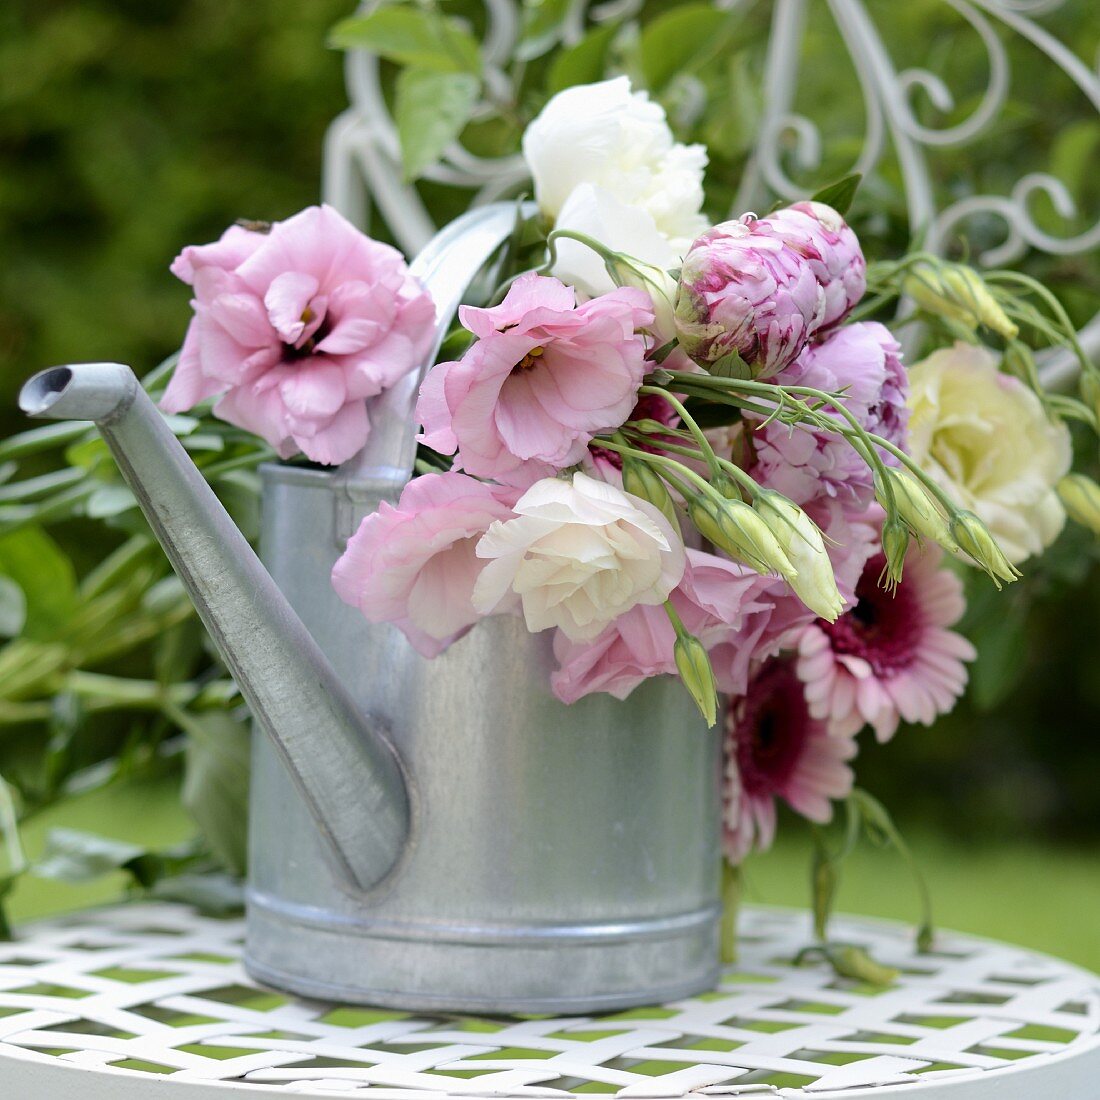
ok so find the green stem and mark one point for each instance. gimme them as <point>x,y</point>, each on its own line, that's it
<point>674,618</point>
<point>700,437</point>
<point>1055,306</point>
<point>9,829</point>
<point>732,892</point>
<point>858,437</point>
<point>727,467</point>
<point>677,469</point>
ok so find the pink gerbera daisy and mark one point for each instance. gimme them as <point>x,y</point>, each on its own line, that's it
<point>775,748</point>
<point>891,656</point>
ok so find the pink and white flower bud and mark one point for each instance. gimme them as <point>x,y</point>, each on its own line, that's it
<point>743,289</point>
<point>825,241</point>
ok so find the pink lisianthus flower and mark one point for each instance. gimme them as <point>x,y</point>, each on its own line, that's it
<point>823,238</point>
<point>719,602</point>
<point>743,289</point>
<point>891,657</point>
<point>295,328</point>
<point>543,377</point>
<point>775,748</point>
<point>861,362</point>
<point>415,565</point>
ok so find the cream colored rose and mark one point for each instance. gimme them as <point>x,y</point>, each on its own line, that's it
<point>577,555</point>
<point>986,440</point>
<point>619,141</point>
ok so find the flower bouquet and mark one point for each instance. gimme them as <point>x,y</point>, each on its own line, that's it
<point>679,448</point>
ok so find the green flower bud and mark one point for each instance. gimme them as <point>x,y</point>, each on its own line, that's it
<point>734,527</point>
<point>958,293</point>
<point>655,281</point>
<point>641,480</point>
<point>693,664</point>
<point>814,581</point>
<point>895,545</point>
<point>1080,496</point>
<point>916,507</point>
<point>727,487</point>
<point>973,539</point>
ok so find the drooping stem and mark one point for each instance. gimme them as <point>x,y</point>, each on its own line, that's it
<point>699,435</point>
<point>732,893</point>
<point>671,470</point>
<point>858,436</point>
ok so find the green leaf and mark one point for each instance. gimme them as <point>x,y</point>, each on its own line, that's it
<point>583,63</point>
<point>542,23</point>
<point>161,597</point>
<point>110,500</point>
<point>682,39</point>
<point>177,652</point>
<point>214,894</point>
<point>731,365</point>
<point>411,36</point>
<point>431,109</point>
<point>1002,638</point>
<point>839,195</point>
<point>215,783</point>
<point>45,438</point>
<point>853,962</point>
<point>13,608</point>
<point>34,562</point>
<point>74,856</point>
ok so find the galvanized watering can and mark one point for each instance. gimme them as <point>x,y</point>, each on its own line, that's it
<point>426,834</point>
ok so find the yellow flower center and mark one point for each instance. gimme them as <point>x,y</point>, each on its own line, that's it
<point>529,361</point>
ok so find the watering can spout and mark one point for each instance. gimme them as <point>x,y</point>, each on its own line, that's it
<point>346,770</point>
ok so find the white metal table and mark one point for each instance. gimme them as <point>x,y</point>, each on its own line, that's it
<point>150,1001</point>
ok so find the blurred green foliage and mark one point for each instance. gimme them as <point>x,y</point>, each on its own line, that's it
<point>129,128</point>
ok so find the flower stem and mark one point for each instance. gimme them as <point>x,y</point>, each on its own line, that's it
<point>700,437</point>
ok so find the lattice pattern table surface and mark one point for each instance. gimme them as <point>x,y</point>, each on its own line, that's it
<point>155,992</point>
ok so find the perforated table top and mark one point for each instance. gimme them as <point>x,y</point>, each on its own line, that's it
<point>149,1000</point>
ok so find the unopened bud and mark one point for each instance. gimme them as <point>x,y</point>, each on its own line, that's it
<point>1080,496</point>
<point>814,581</point>
<point>693,664</point>
<point>973,539</point>
<point>916,507</point>
<point>641,480</point>
<point>895,545</point>
<point>655,281</point>
<point>734,527</point>
<point>727,487</point>
<point>958,293</point>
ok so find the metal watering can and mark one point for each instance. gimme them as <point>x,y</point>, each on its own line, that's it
<point>432,835</point>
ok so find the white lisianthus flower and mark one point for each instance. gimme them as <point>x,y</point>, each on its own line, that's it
<point>578,555</point>
<point>598,214</point>
<point>985,438</point>
<point>618,140</point>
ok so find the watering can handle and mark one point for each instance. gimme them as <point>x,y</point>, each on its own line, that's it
<point>445,267</point>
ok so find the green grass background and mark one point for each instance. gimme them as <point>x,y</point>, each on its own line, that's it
<point>1037,895</point>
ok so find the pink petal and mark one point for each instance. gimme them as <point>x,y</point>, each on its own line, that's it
<point>343,437</point>
<point>287,301</point>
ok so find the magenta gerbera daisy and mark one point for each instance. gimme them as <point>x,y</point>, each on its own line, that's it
<point>775,748</point>
<point>891,656</point>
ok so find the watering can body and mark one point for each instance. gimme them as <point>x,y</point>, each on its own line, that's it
<point>433,835</point>
<point>560,858</point>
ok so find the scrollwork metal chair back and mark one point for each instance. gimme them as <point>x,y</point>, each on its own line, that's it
<point>362,155</point>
